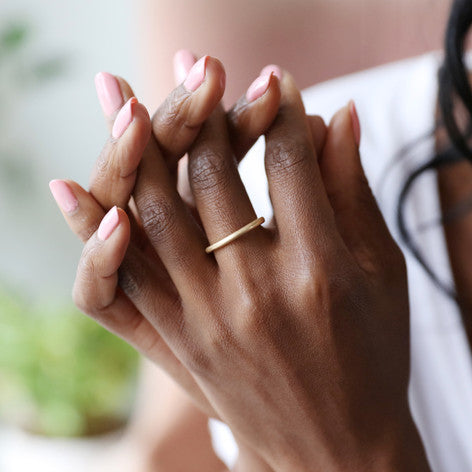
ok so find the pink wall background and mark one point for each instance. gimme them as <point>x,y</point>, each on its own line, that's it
<point>314,39</point>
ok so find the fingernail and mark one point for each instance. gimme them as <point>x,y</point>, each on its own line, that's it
<point>63,195</point>
<point>196,76</point>
<point>124,118</point>
<point>183,62</point>
<point>109,93</point>
<point>356,125</point>
<point>272,69</point>
<point>258,87</point>
<point>108,225</point>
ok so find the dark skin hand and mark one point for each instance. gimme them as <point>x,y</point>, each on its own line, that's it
<point>174,125</point>
<point>297,335</point>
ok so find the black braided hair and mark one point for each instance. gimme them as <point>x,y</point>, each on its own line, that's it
<point>454,87</point>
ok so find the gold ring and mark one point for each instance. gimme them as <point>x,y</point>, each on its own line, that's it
<point>237,234</point>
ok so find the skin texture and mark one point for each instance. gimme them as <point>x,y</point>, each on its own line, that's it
<point>310,308</point>
<point>112,180</point>
<point>290,33</point>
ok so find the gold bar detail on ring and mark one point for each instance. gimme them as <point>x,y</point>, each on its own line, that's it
<point>237,234</point>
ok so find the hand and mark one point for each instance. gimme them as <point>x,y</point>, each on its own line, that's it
<point>298,336</point>
<point>175,125</point>
<point>218,387</point>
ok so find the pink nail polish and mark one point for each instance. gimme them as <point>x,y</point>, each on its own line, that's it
<point>109,93</point>
<point>356,126</point>
<point>124,118</point>
<point>258,87</point>
<point>272,69</point>
<point>183,62</point>
<point>63,195</point>
<point>108,225</point>
<point>196,76</point>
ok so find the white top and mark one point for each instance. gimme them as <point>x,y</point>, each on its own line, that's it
<point>396,104</point>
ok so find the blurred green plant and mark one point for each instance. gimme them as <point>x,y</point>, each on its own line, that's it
<point>16,37</point>
<point>61,374</point>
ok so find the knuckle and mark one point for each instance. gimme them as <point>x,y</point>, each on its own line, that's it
<point>87,263</point>
<point>172,113</point>
<point>86,271</point>
<point>198,362</point>
<point>286,153</point>
<point>219,338</point>
<point>82,298</point>
<point>130,280</point>
<point>322,282</point>
<point>208,170</point>
<point>158,217</point>
<point>86,232</point>
<point>103,160</point>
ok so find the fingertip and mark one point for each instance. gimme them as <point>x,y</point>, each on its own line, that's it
<point>356,125</point>
<point>125,88</point>
<point>113,235</point>
<point>64,195</point>
<point>254,113</point>
<point>123,218</point>
<point>272,69</point>
<point>206,96</point>
<point>141,116</point>
<point>183,61</point>
<point>341,127</point>
<point>116,219</point>
<point>108,92</point>
<point>217,73</point>
<point>260,86</point>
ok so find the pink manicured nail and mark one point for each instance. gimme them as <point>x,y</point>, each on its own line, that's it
<point>63,195</point>
<point>272,69</point>
<point>109,223</point>
<point>196,76</point>
<point>356,125</point>
<point>109,93</point>
<point>124,118</point>
<point>183,62</point>
<point>258,87</point>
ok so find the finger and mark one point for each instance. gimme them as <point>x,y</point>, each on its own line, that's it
<point>113,92</point>
<point>178,241</point>
<point>357,215</point>
<point>87,219</point>
<point>295,183</point>
<point>114,173</point>
<point>177,121</point>
<point>254,112</point>
<point>220,196</point>
<point>80,210</point>
<point>97,294</point>
<point>249,118</point>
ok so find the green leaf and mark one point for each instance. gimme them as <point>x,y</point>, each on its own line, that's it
<point>14,35</point>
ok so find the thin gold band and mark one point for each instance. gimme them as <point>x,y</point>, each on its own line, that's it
<point>237,234</point>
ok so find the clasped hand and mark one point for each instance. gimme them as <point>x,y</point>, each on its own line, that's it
<point>295,334</point>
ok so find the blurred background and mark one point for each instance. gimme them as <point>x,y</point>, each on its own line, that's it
<point>60,374</point>
<point>67,386</point>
